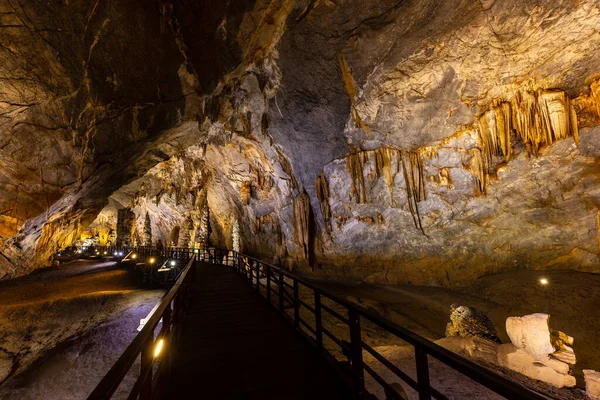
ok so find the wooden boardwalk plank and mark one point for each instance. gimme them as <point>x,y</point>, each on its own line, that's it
<point>235,346</point>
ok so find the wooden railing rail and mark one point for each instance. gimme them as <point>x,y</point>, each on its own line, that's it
<point>154,363</point>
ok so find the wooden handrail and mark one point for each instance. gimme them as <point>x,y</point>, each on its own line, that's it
<point>423,347</point>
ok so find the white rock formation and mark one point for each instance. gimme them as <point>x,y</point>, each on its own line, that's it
<point>537,351</point>
<point>592,384</point>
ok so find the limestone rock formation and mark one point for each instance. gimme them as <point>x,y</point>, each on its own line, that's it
<point>468,321</point>
<point>236,238</point>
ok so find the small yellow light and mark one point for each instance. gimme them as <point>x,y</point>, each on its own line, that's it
<point>106,252</point>
<point>544,281</point>
<point>134,256</point>
<point>152,260</point>
<point>158,348</point>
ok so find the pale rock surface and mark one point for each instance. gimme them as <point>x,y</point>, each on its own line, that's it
<point>531,334</point>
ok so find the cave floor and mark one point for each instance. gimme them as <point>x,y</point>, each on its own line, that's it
<point>571,298</point>
<point>62,328</point>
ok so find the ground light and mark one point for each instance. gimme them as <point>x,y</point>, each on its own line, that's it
<point>134,256</point>
<point>158,348</point>
<point>173,263</point>
<point>152,260</point>
<point>544,281</point>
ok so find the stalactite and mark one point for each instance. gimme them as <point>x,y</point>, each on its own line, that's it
<point>595,88</point>
<point>479,170</point>
<point>494,131</point>
<point>544,118</point>
<point>322,188</point>
<point>287,168</point>
<point>415,184</point>
<point>355,164</point>
<point>384,165</point>
<point>185,234</point>
<point>264,124</point>
<point>350,86</point>
<point>301,222</point>
<point>147,231</point>
<point>245,192</point>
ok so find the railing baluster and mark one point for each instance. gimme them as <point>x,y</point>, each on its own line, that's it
<point>281,302</point>
<point>356,357</point>
<point>296,305</point>
<point>422,374</point>
<point>318,321</point>
<point>257,276</point>
<point>146,370</point>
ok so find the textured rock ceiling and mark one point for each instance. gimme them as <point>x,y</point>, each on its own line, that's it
<point>391,141</point>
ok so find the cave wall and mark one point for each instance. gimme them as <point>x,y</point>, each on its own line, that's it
<point>414,141</point>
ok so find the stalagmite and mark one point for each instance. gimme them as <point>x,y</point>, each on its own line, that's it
<point>302,215</point>
<point>112,237</point>
<point>147,231</point>
<point>125,227</point>
<point>246,192</point>
<point>203,230</point>
<point>185,233</point>
<point>236,238</point>
<point>322,188</point>
<point>174,236</point>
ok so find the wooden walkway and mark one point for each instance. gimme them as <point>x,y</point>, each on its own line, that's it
<point>235,346</point>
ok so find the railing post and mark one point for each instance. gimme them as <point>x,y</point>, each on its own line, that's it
<point>296,305</point>
<point>318,321</point>
<point>257,276</point>
<point>358,376</point>
<point>422,374</point>
<point>281,289</point>
<point>146,370</point>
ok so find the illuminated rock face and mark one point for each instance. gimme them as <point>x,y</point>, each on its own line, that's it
<point>388,142</point>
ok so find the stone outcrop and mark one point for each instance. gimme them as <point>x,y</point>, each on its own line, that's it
<point>592,384</point>
<point>468,321</point>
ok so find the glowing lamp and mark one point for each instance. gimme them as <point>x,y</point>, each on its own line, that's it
<point>173,263</point>
<point>106,252</point>
<point>115,253</point>
<point>158,347</point>
<point>134,256</point>
<point>152,260</point>
<point>196,251</point>
<point>544,281</point>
